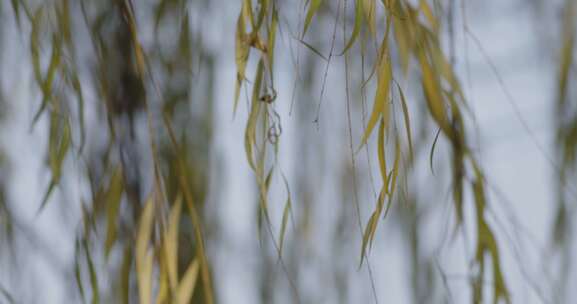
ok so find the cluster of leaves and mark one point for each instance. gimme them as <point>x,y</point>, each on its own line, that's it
<point>120,75</point>
<point>263,127</point>
<point>565,117</point>
<point>122,80</point>
<point>416,34</point>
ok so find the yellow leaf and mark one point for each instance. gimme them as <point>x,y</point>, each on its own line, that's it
<point>246,12</point>
<point>407,121</point>
<point>144,258</point>
<point>250,131</point>
<point>367,235</point>
<point>271,41</point>
<point>187,284</point>
<point>369,8</point>
<point>171,244</point>
<point>242,51</point>
<point>381,103</point>
<point>163,285</point>
<point>434,97</point>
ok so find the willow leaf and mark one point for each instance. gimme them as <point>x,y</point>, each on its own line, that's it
<point>241,55</point>
<point>407,120</point>
<point>367,235</point>
<point>113,198</point>
<point>381,153</point>
<point>356,27</point>
<point>272,40</point>
<point>250,131</point>
<point>434,97</point>
<point>381,104</point>
<point>369,8</point>
<point>92,273</point>
<point>313,8</point>
<point>313,49</point>
<point>187,284</point>
<point>432,153</point>
<point>144,258</point>
<point>247,14</point>
<point>125,274</point>
<point>428,13</point>
<point>395,171</point>
<point>285,216</point>
<point>171,244</point>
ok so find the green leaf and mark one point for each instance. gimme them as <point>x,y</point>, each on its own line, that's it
<point>77,274</point>
<point>125,274</point>
<point>394,172</point>
<point>367,235</point>
<point>113,198</point>
<point>369,8</point>
<point>46,83</point>
<point>313,49</point>
<point>381,153</point>
<point>356,27</point>
<point>432,153</point>
<point>285,216</point>
<point>242,48</point>
<point>92,272</point>
<point>250,131</point>
<point>313,7</point>
<point>271,41</point>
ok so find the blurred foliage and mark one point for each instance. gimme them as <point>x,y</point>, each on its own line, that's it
<point>127,90</point>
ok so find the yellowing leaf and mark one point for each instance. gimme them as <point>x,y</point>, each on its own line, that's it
<point>92,273</point>
<point>381,104</point>
<point>285,216</point>
<point>250,131</point>
<point>125,273</point>
<point>113,198</point>
<point>381,152</point>
<point>313,7</point>
<point>144,258</point>
<point>367,235</point>
<point>271,41</point>
<point>407,121</point>
<point>46,83</point>
<point>434,97</point>
<point>432,153</point>
<point>163,284</point>
<point>187,284</point>
<point>241,54</point>
<point>357,26</point>
<point>395,171</point>
<point>171,244</point>
<point>428,12</point>
<point>246,12</point>
<point>369,8</point>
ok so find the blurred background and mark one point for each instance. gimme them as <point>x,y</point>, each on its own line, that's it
<point>105,104</point>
